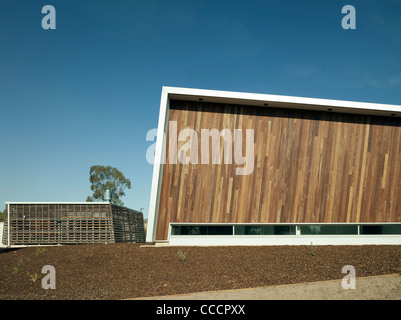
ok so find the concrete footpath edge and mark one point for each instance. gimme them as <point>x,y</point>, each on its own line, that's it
<point>384,287</point>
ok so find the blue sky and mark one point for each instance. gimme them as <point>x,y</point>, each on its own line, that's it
<point>87,92</point>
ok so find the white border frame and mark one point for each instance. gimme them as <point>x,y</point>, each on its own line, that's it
<point>296,239</point>
<point>158,167</point>
<point>251,99</point>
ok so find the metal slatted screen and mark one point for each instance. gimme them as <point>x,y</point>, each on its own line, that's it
<point>128,224</point>
<point>71,223</point>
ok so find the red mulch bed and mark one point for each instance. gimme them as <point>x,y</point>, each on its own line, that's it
<point>125,270</point>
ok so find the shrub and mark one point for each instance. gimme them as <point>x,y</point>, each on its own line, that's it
<point>181,256</point>
<point>39,251</point>
<point>33,277</point>
<point>312,249</point>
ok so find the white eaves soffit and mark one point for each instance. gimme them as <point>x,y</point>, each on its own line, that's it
<point>278,101</point>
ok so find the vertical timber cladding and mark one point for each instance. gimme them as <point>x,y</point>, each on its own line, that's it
<point>309,167</point>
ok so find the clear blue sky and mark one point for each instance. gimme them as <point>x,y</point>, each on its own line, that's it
<point>88,92</point>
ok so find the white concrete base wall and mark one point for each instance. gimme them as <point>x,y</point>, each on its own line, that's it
<point>284,240</point>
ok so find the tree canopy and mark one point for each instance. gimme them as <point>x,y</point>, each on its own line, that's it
<point>107,178</point>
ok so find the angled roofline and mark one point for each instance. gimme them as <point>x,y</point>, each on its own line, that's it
<point>280,101</point>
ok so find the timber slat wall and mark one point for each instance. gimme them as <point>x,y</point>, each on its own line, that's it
<point>128,225</point>
<point>72,223</point>
<point>309,167</point>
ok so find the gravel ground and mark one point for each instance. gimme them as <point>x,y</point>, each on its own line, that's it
<point>125,270</point>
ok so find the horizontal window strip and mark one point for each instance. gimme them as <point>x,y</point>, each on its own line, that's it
<point>284,229</point>
<point>329,230</point>
<point>265,230</point>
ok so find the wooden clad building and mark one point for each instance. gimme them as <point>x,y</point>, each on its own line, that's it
<point>238,168</point>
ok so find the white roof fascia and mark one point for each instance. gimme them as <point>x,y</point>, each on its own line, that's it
<point>280,101</point>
